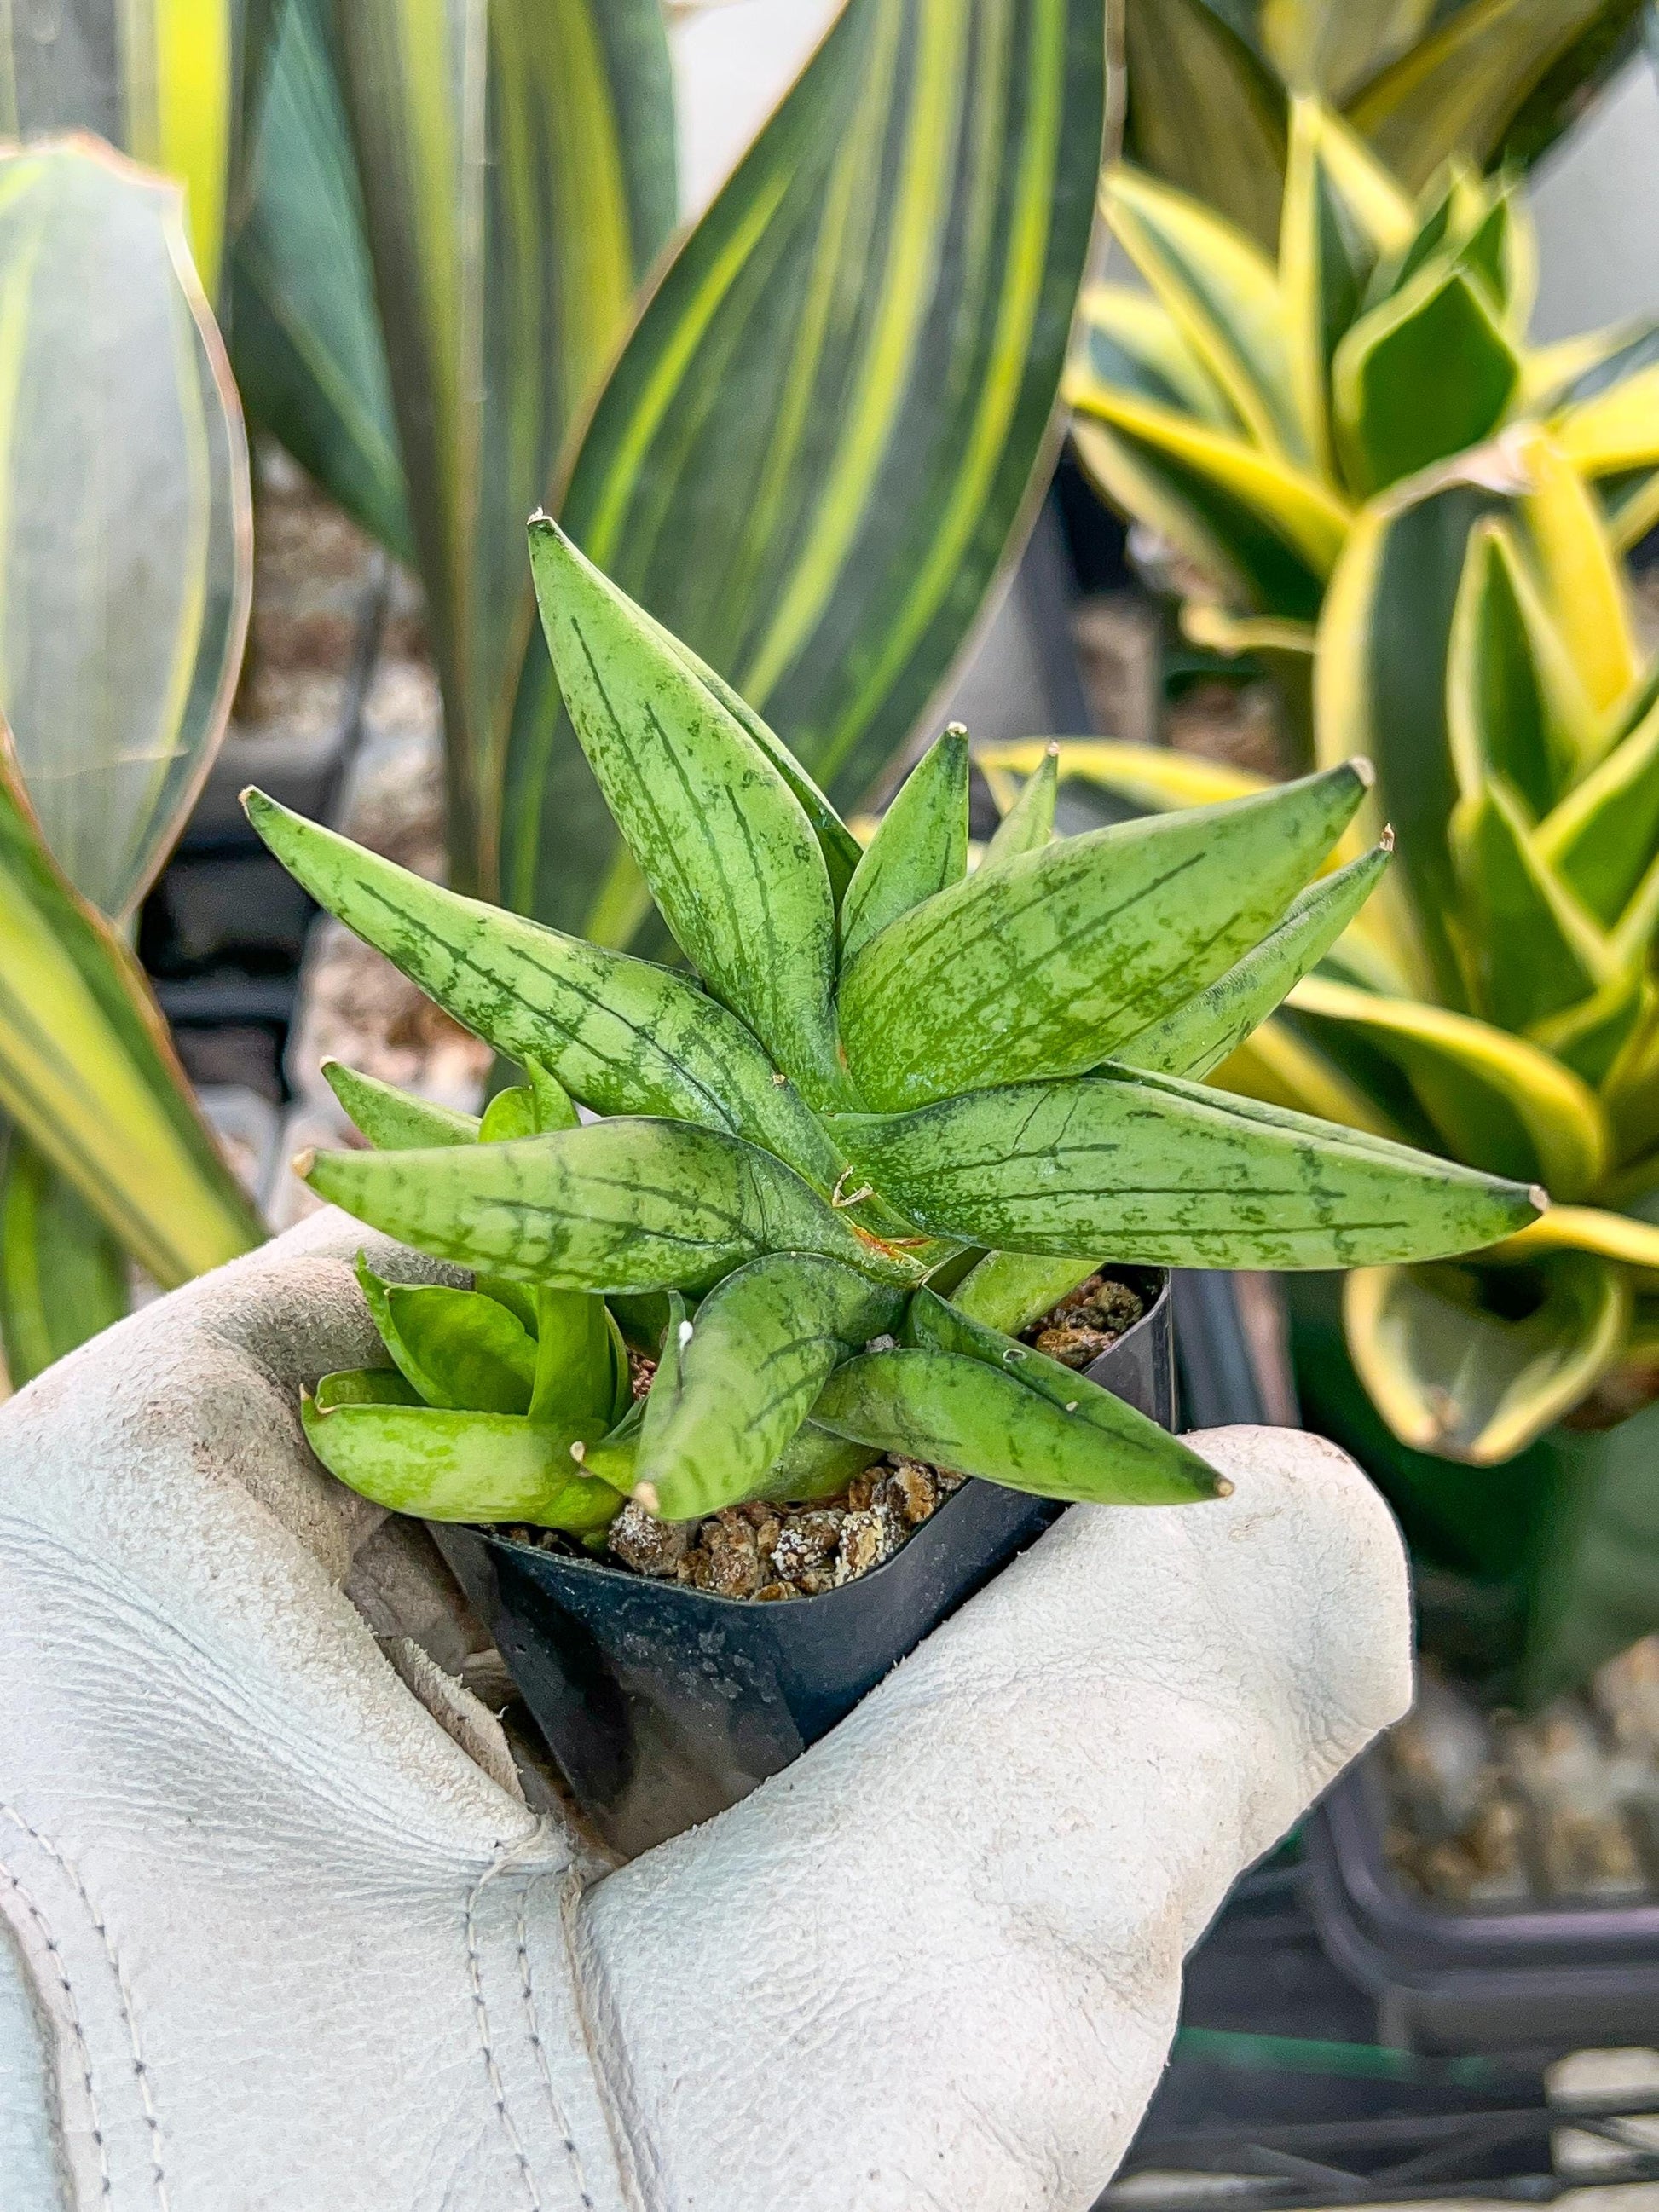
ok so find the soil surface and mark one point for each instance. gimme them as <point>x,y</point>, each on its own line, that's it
<point>771,1551</point>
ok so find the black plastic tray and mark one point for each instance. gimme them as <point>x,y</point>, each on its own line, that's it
<point>663,1705</point>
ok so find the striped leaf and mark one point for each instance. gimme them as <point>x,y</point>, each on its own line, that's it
<point>921,844</point>
<point>310,358</point>
<point>1602,838</point>
<point>624,1205</point>
<point>1151,778</point>
<point>447,1466</point>
<point>1126,341</point>
<point>1515,706</point>
<point>735,1385</point>
<point>1494,1099</point>
<point>839,395</point>
<point>1395,410</point>
<point>960,1412</point>
<point>125,526</point>
<point>717,834</point>
<point>87,1073</point>
<point>516,163</point>
<point>394,1120</point>
<point>1041,965</point>
<point>166,81</point>
<point>1205,113</point>
<point>1029,824</point>
<point>63,1277</point>
<point>1581,578</point>
<point>1474,1364</point>
<point>1532,949</point>
<point>1173,1174</point>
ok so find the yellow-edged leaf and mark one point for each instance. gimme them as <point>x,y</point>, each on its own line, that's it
<point>1593,1229</point>
<point>1279,1067</point>
<point>125,524</point>
<point>1601,840</point>
<point>62,1276</point>
<point>1498,1102</point>
<point>1207,624</point>
<point>1591,1037</point>
<point>1223,293</point>
<point>1205,112</point>
<point>1127,341</point>
<point>1331,49</point>
<point>1473,1363</point>
<point>1531,949</point>
<point>1583,584</point>
<point>1151,777</point>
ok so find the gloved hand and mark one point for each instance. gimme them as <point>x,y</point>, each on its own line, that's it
<point>283,1941</point>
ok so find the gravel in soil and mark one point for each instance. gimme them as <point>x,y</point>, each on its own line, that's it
<point>772,1551</point>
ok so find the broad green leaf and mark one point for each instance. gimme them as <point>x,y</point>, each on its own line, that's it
<point>516,163</point>
<point>1153,778</point>
<point>1127,341</point>
<point>166,81</point>
<point>394,1120</point>
<point>1515,706</point>
<point>1223,292</point>
<point>1204,113</point>
<point>621,1035</point>
<point>576,1362</point>
<point>1042,964</point>
<point>814,1464</point>
<point>937,1324</point>
<point>365,1386</point>
<point>1495,1099</point>
<point>63,1277</point>
<point>622,1206</point>
<point>723,842</point>
<point>126,556</point>
<point>1211,1025</point>
<point>448,1466</point>
<point>817,449</point>
<point>961,1413</point>
<point>744,1376</point>
<point>1601,838</point>
<point>1532,950</point>
<point>1266,531</point>
<point>1008,1291</point>
<point>310,358</point>
<point>921,844</point>
<point>1473,1363</point>
<point>1342,214</point>
<point>510,1113</point>
<point>1029,824</point>
<point>456,1348</point>
<point>89,1075</point>
<point>1173,1174</point>
<point>1458,89</point>
<point>1395,408</point>
<point>1583,583</point>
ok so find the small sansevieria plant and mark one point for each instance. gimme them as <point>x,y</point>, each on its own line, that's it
<point>1247,411</point>
<point>898,1110</point>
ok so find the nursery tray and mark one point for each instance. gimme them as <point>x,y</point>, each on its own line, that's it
<point>662,1705</point>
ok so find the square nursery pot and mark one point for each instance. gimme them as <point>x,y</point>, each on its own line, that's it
<point>663,1705</point>
<point>1537,1979</point>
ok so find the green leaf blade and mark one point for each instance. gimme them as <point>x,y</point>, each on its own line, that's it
<point>921,844</point>
<point>447,1466</point>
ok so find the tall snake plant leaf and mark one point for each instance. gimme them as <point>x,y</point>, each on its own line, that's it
<point>125,526</point>
<point>841,395</point>
<point>63,1277</point>
<point>624,1206</point>
<point>89,1075</point>
<point>725,846</point>
<point>310,357</point>
<point>1397,411</point>
<point>745,1376</point>
<point>1601,838</point>
<point>621,1035</point>
<point>1207,113</point>
<point>1041,965</point>
<point>1533,951</point>
<point>1171,1174</point>
<point>920,845</point>
<point>516,163</point>
<point>168,82</point>
<point>393,1120</point>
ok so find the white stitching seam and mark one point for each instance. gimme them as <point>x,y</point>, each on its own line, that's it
<point>540,2048</point>
<point>481,2011</point>
<point>73,2011</point>
<point>140,2072</point>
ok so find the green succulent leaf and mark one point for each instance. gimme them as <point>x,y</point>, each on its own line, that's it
<point>394,1120</point>
<point>921,844</point>
<point>933,1323</point>
<point>1474,1364</point>
<point>1395,408</point>
<point>735,1385</point>
<point>1601,840</point>
<point>1008,1291</point>
<point>1171,1174</point>
<point>366,1386</point>
<point>1029,824</point>
<point>626,1204</point>
<point>964,1414</point>
<point>581,1366</point>
<point>63,1277</point>
<point>1532,950</point>
<point>1042,965</point>
<point>1205,112</point>
<point>448,1466</point>
<point>456,1348</point>
<point>1212,1023</point>
<point>723,842</point>
<point>1126,341</point>
<point>621,1035</point>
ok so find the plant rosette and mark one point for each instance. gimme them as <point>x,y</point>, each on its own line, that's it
<point>897,1112</point>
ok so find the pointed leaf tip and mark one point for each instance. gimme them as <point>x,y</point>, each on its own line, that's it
<point>1363,768</point>
<point>304,1163</point>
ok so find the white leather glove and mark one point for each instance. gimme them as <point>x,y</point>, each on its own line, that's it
<point>282,1941</point>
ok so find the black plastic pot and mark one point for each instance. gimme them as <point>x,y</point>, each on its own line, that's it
<point>663,1705</point>
<point>1567,1977</point>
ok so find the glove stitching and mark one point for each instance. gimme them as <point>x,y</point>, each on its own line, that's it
<point>140,2071</point>
<point>481,2012</point>
<point>540,2049</point>
<point>105,2189</point>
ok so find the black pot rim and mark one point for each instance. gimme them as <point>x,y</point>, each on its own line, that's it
<point>677,1592</point>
